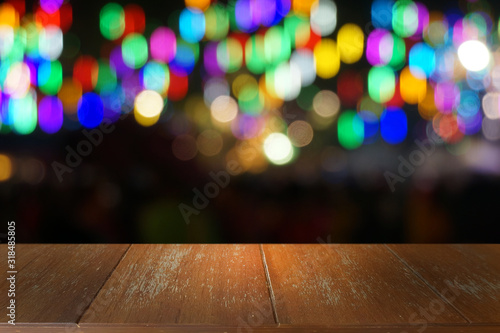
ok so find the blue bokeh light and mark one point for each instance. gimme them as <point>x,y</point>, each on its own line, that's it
<point>192,25</point>
<point>90,110</point>
<point>393,125</point>
<point>382,14</point>
<point>422,59</point>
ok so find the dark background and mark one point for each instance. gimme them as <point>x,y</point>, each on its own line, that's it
<point>129,188</point>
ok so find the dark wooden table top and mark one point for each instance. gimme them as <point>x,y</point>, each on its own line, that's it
<point>254,288</point>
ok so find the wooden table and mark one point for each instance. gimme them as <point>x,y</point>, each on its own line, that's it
<point>254,288</point>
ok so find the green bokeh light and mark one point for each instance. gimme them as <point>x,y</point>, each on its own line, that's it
<point>50,77</point>
<point>249,100</point>
<point>398,58</point>
<point>294,25</point>
<point>381,84</point>
<point>106,79</point>
<point>405,18</point>
<point>112,21</point>
<point>217,22</point>
<point>23,114</point>
<point>135,51</point>
<point>255,56</point>
<point>351,130</point>
<point>277,45</point>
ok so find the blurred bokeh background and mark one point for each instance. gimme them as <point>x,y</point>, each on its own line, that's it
<point>250,121</point>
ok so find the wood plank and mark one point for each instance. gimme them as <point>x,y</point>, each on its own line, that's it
<point>56,283</point>
<point>116,328</point>
<point>221,285</point>
<point>468,276</point>
<point>28,253</point>
<point>335,285</point>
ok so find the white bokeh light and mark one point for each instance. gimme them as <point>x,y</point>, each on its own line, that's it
<point>278,148</point>
<point>474,55</point>
<point>287,81</point>
<point>17,81</point>
<point>304,60</point>
<point>149,103</point>
<point>50,42</point>
<point>324,17</point>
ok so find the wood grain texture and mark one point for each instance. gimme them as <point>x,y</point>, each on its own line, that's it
<point>223,288</point>
<point>332,285</point>
<point>224,329</point>
<point>25,253</point>
<point>468,276</point>
<point>56,283</point>
<point>186,284</point>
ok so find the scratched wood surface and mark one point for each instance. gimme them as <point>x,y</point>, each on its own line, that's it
<point>252,288</point>
<point>185,284</point>
<point>25,254</point>
<point>347,285</point>
<point>468,276</point>
<point>56,283</point>
<point>225,329</point>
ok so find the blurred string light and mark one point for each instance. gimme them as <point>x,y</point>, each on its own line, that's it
<point>5,167</point>
<point>258,61</point>
<point>474,55</point>
<point>278,148</point>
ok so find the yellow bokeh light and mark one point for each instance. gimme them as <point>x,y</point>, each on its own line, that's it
<point>145,121</point>
<point>200,4</point>
<point>70,94</point>
<point>327,58</point>
<point>243,81</point>
<point>427,107</point>
<point>351,41</point>
<point>318,122</point>
<point>8,15</point>
<point>413,89</point>
<point>147,107</point>
<point>274,123</point>
<point>5,168</point>
<point>196,110</point>
<point>209,142</point>
<point>257,163</point>
<point>247,156</point>
<point>303,6</point>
